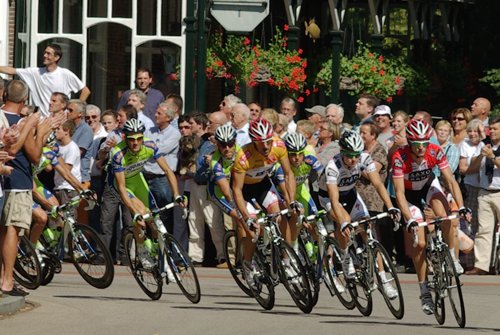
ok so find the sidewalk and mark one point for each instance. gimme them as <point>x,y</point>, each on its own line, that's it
<point>9,304</point>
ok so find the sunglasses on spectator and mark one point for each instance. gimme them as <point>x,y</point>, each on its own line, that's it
<point>227,144</point>
<point>456,118</point>
<point>93,117</point>
<point>417,144</point>
<point>350,154</point>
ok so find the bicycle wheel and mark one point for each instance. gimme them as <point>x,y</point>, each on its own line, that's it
<point>235,264</point>
<point>360,286</point>
<point>394,303</point>
<point>293,275</point>
<point>48,271</point>
<point>27,269</point>
<point>90,256</point>
<point>263,289</point>
<point>311,269</point>
<point>183,269</point>
<point>496,260</point>
<point>453,288</point>
<point>149,280</point>
<point>333,274</point>
<point>437,285</point>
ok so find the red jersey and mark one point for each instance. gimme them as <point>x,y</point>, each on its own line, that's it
<point>417,175</point>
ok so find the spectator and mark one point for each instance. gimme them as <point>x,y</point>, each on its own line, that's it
<point>48,79</point>
<point>143,82</point>
<point>58,103</point>
<point>480,109</point>
<point>93,119</point>
<point>201,209</point>
<point>444,133</point>
<point>281,129</point>
<point>2,86</point>
<point>335,113</point>
<point>399,139</point>
<point>184,125</point>
<point>306,128</point>
<point>365,107</point>
<point>27,150</point>
<point>227,104</point>
<point>317,116</point>
<point>109,120</point>
<point>382,117</point>
<point>166,137</point>
<point>328,145</point>
<point>240,122</point>
<point>177,103</point>
<point>487,163</point>
<point>288,107</point>
<point>460,117</point>
<point>138,99</point>
<point>255,110</point>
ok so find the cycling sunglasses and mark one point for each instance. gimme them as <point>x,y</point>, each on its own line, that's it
<point>350,154</point>
<point>227,144</point>
<point>417,144</point>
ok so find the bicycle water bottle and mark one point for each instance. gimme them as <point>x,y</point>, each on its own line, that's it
<point>151,247</point>
<point>309,249</point>
<point>52,236</point>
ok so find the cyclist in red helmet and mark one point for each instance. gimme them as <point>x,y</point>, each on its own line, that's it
<point>251,183</point>
<point>417,188</point>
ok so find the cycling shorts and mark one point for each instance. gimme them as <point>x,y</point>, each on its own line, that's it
<point>417,200</point>
<point>264,192</point>
<point>351,201</point>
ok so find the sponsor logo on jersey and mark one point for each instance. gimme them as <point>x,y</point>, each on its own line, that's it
<point>419,175</point>
<point>348,181</point>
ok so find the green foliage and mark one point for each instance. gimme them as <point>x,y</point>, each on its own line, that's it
<point>492,78</point>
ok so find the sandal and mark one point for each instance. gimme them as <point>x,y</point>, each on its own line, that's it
<point>16,292</point>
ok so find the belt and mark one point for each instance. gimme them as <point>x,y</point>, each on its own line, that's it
<point>491,191</point>
<point>149,176</point>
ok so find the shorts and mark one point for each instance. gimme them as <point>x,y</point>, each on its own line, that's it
<point>17,209</point>
<point>417,200</point>
<point>351,201</point>
<point>264,193</point>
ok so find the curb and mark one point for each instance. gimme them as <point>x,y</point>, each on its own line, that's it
<point>10,304</point>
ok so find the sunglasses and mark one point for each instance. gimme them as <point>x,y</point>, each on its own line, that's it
<point>350,154</point>
<point>135,137</point>
<point>93,117</point>
<point>417,144</point>
<point>458,119</point>
<point>226,144</point>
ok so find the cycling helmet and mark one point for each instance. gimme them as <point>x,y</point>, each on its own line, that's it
<point>295,142</point>
<point>260,130</point>
<point>51,140</point>
<point>351,141</point>
<point>418,130</point>
<point>225,134</point>
<point>133,126</point>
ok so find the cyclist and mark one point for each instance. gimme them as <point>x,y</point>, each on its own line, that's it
<point>127,161</point>
<point>416,187</point>
<point>251,182</point>
<point>337,186</point>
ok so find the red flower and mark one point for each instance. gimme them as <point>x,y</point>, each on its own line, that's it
<point>315,90</point>
<point>285,27</point>
<point>219,63</point>
<point>271,82</point>
<point>308,92</point>
<point>300,99</point>
<point>300,51</point>
<point>389,99</point>
<point>374,69</point>
<point>256,50</point>
<point>246,41</point>
<point>370,55</point>
<point>399,92</point>
<point>397,80</point>
<point>355,66</point>
<point>381,72</point>
<point>380,59</point>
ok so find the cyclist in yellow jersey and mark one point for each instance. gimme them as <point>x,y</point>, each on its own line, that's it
<point>251,182</point>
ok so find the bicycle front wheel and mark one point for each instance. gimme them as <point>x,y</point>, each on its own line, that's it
<point>263,288</point>
<point>453,288</point>
<point>360,286</point>
<point>437,284</point>
<point>334,276</point>
<point>294,277</point>
<point>235,263</point>
<point>183,269</point>
<point>149,280</point>
<point>389,287</point>
<point>27,269</point>
<point>311,268</point>
<point>90,256</point>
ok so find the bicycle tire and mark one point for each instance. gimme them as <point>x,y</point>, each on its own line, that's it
<point>296,283</point>
<point>454,288</point>
<point>332,268</point>
<point>183,269</point>
<point>496,260</point>
<point>90,256</point>
<point>149,281</point>
<point>437,285</point>
<point>311,269</point>
<point>235,265</point>
<point>48,272</point>
<point>360,285</point>
<point>27,268</point>
<point>263,291</point>
<point>395,305</point>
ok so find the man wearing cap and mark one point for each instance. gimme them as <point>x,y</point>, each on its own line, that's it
<point>382,116</point>
<point>317,116</point>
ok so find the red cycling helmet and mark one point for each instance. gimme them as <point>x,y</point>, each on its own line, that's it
<point>260,130</point>
<point>418,130</point>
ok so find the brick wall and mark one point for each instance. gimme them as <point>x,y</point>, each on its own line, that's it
<point>12,29</point>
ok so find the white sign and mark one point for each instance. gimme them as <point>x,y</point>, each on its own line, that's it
<point>239,15</point>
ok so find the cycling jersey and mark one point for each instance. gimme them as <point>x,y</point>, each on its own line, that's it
<point>255,166</point>
<point>49,157</point>
<point>417,176</point>
<point>220,168</point>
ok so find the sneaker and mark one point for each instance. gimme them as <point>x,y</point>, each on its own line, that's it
<point>145,257</point>
<point>222,265</point>
<point>390,291</point>
<point>348,267</point>
<point>427,303</point>
<point>39,255</point>
<point>250,273</point>
<point>170,275</point>
<point>338,285</point>
<point>458,267</point>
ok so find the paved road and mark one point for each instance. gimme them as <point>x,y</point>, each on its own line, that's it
<point>69,306</point>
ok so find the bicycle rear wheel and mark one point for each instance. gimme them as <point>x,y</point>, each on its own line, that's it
<point>149,280</point>
<point>235,263</point>
<point>294,277</point>
<point>333,274</point>
<point>395,304</point>
<point>27,269</point>
<point>183,269</point>
<point>90,256</point>
<point>453,288</point>
<point>360,285</point>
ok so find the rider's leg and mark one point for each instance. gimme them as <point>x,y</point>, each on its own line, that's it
<point>40,219</point>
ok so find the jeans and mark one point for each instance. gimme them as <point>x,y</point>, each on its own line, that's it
<point>162,194</point>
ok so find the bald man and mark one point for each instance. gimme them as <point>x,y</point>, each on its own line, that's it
<point>481,110</point>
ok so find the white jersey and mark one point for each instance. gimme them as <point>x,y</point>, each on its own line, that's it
<point>337,173</point>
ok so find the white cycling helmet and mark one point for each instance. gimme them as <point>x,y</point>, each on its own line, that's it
<point>295,142</point>
<point>133,126</point>
<point>418,130</point>
<point>225,134</point>
<point>352,141</point>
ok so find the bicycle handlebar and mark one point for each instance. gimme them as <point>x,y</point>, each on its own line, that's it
<point>270,216</point>
<point>373,218</point>
<point>157,211</point>
<point>73,202</point>
<point>428,223</point>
